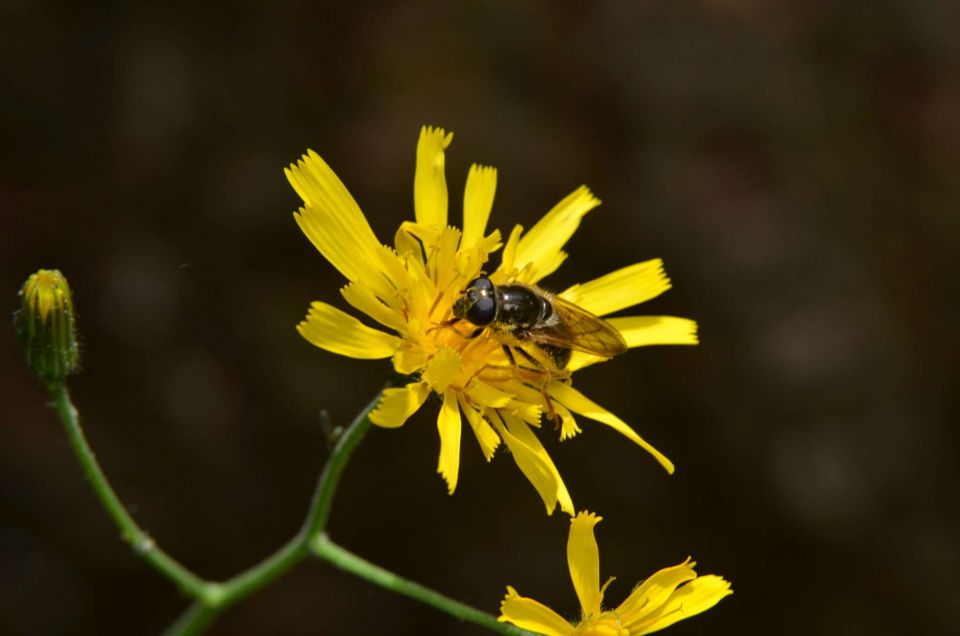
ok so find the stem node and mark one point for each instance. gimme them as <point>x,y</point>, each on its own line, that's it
<point>213,595</point>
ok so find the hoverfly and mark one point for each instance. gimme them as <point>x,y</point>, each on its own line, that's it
<point>540,326</point>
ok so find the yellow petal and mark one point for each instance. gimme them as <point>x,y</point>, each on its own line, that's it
<point>532,460</point>
<point>448,423</point>
<point>620,289</point>
<point>583,559</point>
<point>333,222</point>
<point>429,182</point>
<point>527,411</point>
<point>522,393</point>
<point>688,600</point>
<point>486,436</point>
<point>534,271</point>
<point>487,395</point>
<point>440,278</point>
<point>444,260</point>
<point>442,369</point>
<point>641,331</point>
<point>579,360</point>
<point>398,404</point>
<point>392,268</point>
<point>332,238</point>
<point>568,424</point>
<point>491,243</point>
<point>528,614</point>
<point>426,234</point>
<point>317,184</point>
<point>471,259</point>
<point>421,297</point>
<point>646,598</point>
<point>477,203</point>
<point>362,298</point>
<point>508,261</point>
<point>409,359</point>
<point>407,245</point>
<point>579,403</point>
<point>524,434</point>
<point>542,244</point>
<point>329,328</point>
<point>534,469</point>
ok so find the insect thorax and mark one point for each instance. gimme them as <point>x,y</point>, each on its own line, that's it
<point>520,306</point>
<point>522,309</point>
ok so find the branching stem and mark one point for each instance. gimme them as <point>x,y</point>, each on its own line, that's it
<point>210,597</point>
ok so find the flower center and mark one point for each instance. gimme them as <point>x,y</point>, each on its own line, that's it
<point>608,624</point>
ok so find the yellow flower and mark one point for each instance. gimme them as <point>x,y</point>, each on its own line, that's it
<point>410,289</point>
<point>670,595</point>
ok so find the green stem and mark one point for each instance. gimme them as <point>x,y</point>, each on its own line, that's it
<point>265,572</point>
<point>330,477</point>
<point>141,542</point>
<point>194,621</point>
<point>211,598</point>
<point>324,548</point>
<point>239,587</point>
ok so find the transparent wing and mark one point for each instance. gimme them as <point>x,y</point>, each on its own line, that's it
<point>579,330</point>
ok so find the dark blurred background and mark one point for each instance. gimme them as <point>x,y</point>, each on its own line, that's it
<point>794,163</point>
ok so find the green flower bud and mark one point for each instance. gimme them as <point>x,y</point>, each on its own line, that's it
<point>45,326</point>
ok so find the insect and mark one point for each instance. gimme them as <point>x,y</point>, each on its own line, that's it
<point>542,327</point>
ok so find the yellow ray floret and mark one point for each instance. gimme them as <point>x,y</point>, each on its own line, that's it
<point>578,403</point>
<point>583,561</point>
<point>398,404</point>
<point>333,222</point>
<point>533,616</point>
<point>532,459</point>
<point>329,328</point>
<point>409,290</point>
<point>620,289</point>
<point>539,252</point>
<point>429,181</point>
<point>486,436</point>
<point>640,331</point>
<point>448,423</point>
<point>478,202</point>
<point>643,331</point>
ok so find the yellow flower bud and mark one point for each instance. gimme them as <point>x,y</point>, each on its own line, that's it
<point>45,325</point>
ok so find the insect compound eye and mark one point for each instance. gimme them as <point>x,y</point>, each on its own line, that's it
<point>482,311</point>
<point>478,302</point>
<point>481,284</point>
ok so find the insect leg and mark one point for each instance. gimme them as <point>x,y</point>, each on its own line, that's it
<point>507,372</point>
<point>513,369</point>
<point>444,324</point>
<point>538,374</point>
<point>551,413</point>
<point>544,377</point>
<point>447,324</point>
